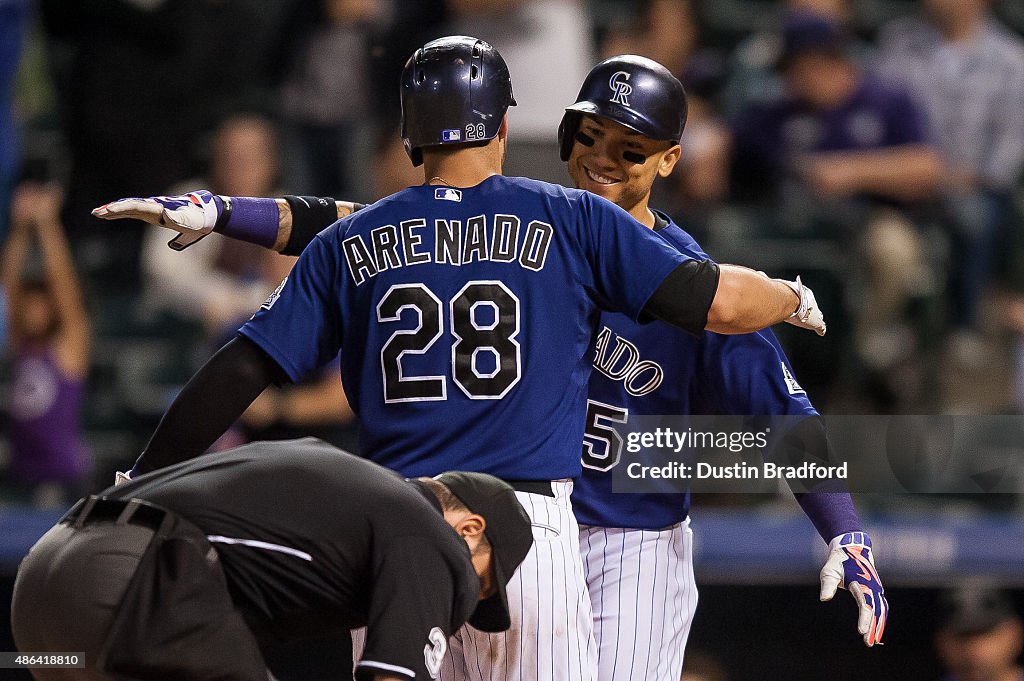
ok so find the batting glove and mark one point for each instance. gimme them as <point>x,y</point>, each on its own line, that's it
<point>192,215</point>
<point>851,564</point>
<point>122,478</point>
<point>808,315</point>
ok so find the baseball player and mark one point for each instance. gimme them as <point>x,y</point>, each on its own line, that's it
<point>620,135</point>
<point>195,568</point>
<point>465,308</point>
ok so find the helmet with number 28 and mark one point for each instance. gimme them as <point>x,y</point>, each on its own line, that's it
<point>454,90</point>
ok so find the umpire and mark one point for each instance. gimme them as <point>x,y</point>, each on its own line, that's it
<point>188,571</point>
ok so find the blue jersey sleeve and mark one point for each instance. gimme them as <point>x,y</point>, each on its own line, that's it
<point>747,374</point>
<point>299,326</point>
<point>627,261</point>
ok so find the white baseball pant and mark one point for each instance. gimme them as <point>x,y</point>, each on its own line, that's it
<point>644,595</point>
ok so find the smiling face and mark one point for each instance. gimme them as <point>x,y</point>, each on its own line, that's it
<point>619,164</point>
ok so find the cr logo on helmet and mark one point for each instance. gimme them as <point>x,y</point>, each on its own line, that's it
<point>620,88</point>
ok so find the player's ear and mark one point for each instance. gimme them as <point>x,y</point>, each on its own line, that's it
<point>503,130</point>
<point>471,525</point>
<point>668,160</point>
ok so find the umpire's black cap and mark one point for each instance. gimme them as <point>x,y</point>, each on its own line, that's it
<point>508,531</point>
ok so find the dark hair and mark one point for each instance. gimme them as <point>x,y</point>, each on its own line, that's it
<point>448,501</point>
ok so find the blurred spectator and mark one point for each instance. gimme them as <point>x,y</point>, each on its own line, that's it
<point>13,16</point>
<point>50,338</point>
<point>753,76</point>
<point>140,82</point>
<point>980,635</point>
<point>324,105</point>
<point>838,131</point>
<point>220,281</point>
<point>968,71</point>
<point>845,154</point>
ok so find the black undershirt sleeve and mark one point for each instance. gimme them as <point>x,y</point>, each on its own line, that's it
<point>209,403</point>
<point>310,216</point>
<point>684,298</point>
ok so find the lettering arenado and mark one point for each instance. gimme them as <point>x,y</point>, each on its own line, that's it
<point>503,238</point>
<point>623,363</point>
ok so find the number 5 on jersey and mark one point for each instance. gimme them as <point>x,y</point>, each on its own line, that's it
<point>472,335</point>
<point>602,444</point>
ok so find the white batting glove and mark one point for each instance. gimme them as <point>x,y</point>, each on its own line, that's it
<point>122,478</point>
<point>192,215</point>
<point>851,565</point>
<point>808,315</point>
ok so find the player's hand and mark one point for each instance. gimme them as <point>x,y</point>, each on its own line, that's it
<point>192,215</point>
<point>121,478</point>
<point>851,565</point>
<point>807,315</point>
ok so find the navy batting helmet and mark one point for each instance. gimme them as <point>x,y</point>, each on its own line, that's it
<point>636,92</point>
<point>454,90</point>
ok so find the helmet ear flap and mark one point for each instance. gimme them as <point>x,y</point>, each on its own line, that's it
<point>415,154</point>
<point>567,133</point>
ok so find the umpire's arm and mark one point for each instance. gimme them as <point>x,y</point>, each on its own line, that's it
<point>209,403</point>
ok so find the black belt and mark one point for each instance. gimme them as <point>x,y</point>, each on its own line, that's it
<point>533,487</point>
<point>94,509</point>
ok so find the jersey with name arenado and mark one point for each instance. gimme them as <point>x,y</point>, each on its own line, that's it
<point>463,317</point>
<point>655,369</point>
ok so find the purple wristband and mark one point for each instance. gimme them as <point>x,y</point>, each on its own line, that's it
<point>832,513</point>
<point>253,220</point>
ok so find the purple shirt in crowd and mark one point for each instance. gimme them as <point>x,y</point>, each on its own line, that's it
<point>769,136</point>
<point>46,407</point>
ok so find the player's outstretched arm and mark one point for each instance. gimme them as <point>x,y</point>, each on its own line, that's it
<point>851,565</point>
<point>209,403</point>
<point>748,301</point>
<point>704,296</point>
<point>285,225</point>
